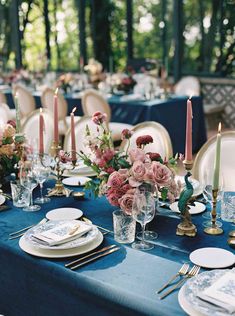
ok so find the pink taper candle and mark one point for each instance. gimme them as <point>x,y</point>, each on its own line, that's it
<point>188,141</point>
<point>73,142</point>
<point>41,127</point>
<point>56,121</point>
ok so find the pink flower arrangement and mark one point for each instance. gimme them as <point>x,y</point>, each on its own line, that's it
<point>120,173</point>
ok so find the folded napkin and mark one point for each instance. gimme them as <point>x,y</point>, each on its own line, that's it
<point>222,292</point>
<point>62,233</point>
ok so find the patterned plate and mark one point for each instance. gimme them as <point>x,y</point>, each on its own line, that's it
<point>81,241</point>
<point>192,304</point>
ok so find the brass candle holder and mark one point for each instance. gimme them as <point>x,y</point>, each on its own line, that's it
<point>186,227</point>
<point>59,189</point>
<point>213,229</point>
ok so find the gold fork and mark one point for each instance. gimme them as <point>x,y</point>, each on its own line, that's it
<point>182,271</point>
<point>193,272</point>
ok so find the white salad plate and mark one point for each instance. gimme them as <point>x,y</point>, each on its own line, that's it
<point>64,213</point>
<point>212,258</point>
<point>76,181</point>
<point>197,209</point>
<point>191,303</point>
<point>2,199</point>
<point>64,253</point>
<point>78,242</point>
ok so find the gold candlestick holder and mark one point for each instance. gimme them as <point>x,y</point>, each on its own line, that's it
<point>59,189</point>
<point>186,227</point>
<point>214,229</point>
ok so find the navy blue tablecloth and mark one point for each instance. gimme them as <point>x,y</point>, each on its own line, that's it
<point>171,113</point>
<point>123,283</point>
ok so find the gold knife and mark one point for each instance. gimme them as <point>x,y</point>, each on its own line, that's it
<point>89,255</point>
<point>95,258</point>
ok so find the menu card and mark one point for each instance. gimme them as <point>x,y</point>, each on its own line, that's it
<point>62,233</point>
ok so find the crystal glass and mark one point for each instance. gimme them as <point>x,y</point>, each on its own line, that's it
<point>41,172</point>
<point>20,195</point>
<point>124,227</point>
<point>29,182</point>
<point>143,210</point>
<point>228,207</point>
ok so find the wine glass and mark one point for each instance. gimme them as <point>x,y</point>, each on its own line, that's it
<point>41,173</point>
<point>29,182</point>
<point>207,194</point>
<point>143,210</point>
<point>149,235</point>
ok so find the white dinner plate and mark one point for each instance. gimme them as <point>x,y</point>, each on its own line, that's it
<point>192,304</point>
<point>2,199</point>
<point>197,209</point>
<point>64,213</point>
<point>84,171</point>
<point>44,253</point>
<point>76,181</point>
<point>212,258</point>
<point>78,242</point>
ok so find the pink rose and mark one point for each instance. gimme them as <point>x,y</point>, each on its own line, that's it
<point>99,118</point>
<point>108,154</point>
<point>115,180</point>
<point>138,170</point>
<point>109,170</point>
<point>100,162</point>
<point>160,173</point>
<point>126,202</point>
<point>113,198</point>
<point>137,154</point>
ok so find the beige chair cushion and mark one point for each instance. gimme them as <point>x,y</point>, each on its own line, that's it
<point>31,129</point>
<point>161,139</point>
<point>204,162</point>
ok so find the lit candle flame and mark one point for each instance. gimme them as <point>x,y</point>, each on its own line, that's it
<point>56,91</point>
<point>40,110</point>
<point>74,109</point>
<point>219,127</point>
<point>16,95</point>
<point>190,97</point>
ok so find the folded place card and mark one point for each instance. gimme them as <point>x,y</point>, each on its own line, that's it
<point>222,292</point>
<point>62,233</point>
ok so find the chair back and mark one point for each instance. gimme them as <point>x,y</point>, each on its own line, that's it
<point>204,161</point>
<point>31,129</point>
<point>5,108</point>
<point>47,101</point>
<point>26,101</point>
<point>189,86</point>
<point>80,135</point>
<point>4,116</point>
<point>92,102</point>
<point>3,98</point>
<point>161,139</point>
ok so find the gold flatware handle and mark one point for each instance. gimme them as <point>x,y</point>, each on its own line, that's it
<point>16,236</point>
<point>95,258</point>
<point>165,285</point>
<point>89,255</point>
<point>173,288</point>
<point>21,230</point>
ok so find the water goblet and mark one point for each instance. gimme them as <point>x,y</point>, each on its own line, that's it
<point>41,174</point>
<point>143,211</point>
<point>29,182</point>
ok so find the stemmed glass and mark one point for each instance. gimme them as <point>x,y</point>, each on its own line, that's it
<point>41,173</point>
<point>143,210</point>
<point>29,182</point>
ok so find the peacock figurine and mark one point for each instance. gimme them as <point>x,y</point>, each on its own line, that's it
<point>186,227</point>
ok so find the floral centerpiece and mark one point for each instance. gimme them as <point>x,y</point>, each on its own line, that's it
<point>120,173</point>
<point>12,149</point>
<point>95,72</point>
<point>64,82</point>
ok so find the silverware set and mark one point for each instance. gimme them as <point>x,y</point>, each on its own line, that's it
<point>22,231</point>
<point>184,273</point>
<point>105,251</point>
